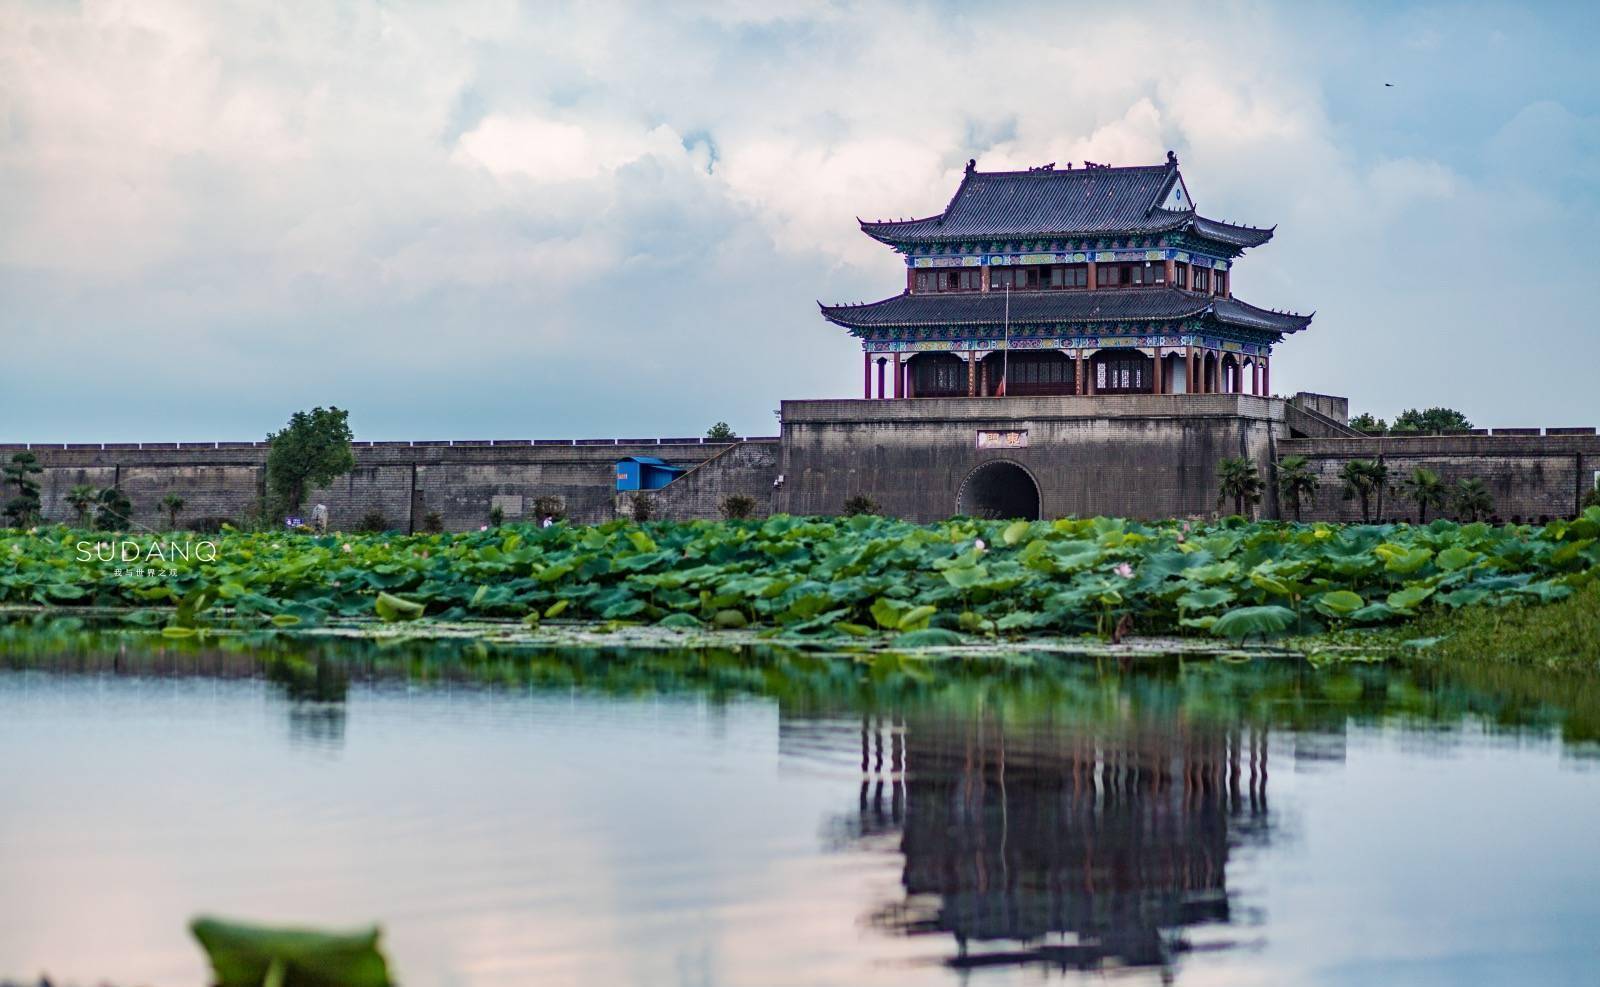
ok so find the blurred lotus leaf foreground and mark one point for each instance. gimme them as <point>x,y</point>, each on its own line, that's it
<point>259,956</point>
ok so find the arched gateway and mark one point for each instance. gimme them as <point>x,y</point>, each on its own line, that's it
<point>999,489</point>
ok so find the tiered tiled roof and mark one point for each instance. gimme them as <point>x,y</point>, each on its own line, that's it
<point>988,308</point>
<point>1056,202</point>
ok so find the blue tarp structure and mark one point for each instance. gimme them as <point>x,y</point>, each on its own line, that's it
<point>645,473</point>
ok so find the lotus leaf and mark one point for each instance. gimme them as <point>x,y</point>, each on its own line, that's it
<point>1242,622</point>
<point>250,956</point>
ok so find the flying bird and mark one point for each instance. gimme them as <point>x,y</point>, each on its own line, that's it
<point>1389,84</point>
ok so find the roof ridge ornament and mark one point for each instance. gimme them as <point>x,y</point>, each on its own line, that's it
<point>1172,158</point>
<point>972,165</point>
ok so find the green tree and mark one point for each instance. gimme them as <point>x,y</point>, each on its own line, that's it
<point>735,506</point>
<point>312,450</point>
<point>173,505</point>
<point>1431,420</point>
<point>720,432</point>
<point>1362,479</point>
<point>115,512</point>
<point>1296,482</point>
<point>1424,488</point>
<point>551,507</point>
<point>1472,499</point>
<point>1238,481</point>
<point>23,509</point>
<point>1364,422</point>
<point>861,504</point>
<point>82,499</point>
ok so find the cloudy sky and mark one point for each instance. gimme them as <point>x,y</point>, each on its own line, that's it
<point>501,220</point>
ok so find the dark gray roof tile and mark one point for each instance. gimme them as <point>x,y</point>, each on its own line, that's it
<point>991,205</point>
<point>1035,307</point>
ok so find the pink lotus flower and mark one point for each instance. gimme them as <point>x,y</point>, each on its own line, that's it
<point>1124,570</point>
<point>979,545</point>
<point>483,527</point>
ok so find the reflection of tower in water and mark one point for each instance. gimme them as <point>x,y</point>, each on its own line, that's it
<point>1063,843</point>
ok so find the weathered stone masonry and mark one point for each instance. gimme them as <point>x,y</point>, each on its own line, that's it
<point>1138,455</point>
<point>1531,475</point>
<point>403,481</point>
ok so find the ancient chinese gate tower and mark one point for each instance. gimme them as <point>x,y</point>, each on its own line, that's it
<point>1051,281</point>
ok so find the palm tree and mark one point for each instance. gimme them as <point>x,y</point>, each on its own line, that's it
<point>1296,481</point>
<point>1473,499</point>
<point>173,505</point>
<point>1425,490</point>
<point>1237,480</point>
<point>115,510</point>
<point>1362,478</point>
<point>82,498</point>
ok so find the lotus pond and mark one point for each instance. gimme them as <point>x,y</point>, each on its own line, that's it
<point>513,813</point>
<point>799,578</point>
<point>810,751</point>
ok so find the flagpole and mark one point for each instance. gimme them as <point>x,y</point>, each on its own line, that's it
<point>1005,354</point>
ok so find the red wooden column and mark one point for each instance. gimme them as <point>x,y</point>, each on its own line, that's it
<point>899,376</point>
<point>866,376</point>
<point>1157,380</point>
<point>911,280</point>
<point>1093,273</point>
<point>1266,380</point>
<point>882,362</point>
<point>1171,266</point>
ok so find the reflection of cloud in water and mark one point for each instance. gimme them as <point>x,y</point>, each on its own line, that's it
<point>1064,844</point>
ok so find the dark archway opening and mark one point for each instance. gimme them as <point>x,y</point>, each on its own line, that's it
<point>999,490</point>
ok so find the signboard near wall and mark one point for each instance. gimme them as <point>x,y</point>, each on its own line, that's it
<point>1013,439</point>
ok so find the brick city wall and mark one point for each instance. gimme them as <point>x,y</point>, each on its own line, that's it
<point>748,468</point>
<point>1531,474</point>
<point>405,482</point>
<point>1133,455</point>
<point>1143,455</point>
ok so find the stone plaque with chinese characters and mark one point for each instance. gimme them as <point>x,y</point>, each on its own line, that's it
<point>1014,439</point>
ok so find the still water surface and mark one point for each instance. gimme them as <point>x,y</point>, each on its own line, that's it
<point>731,818</point>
